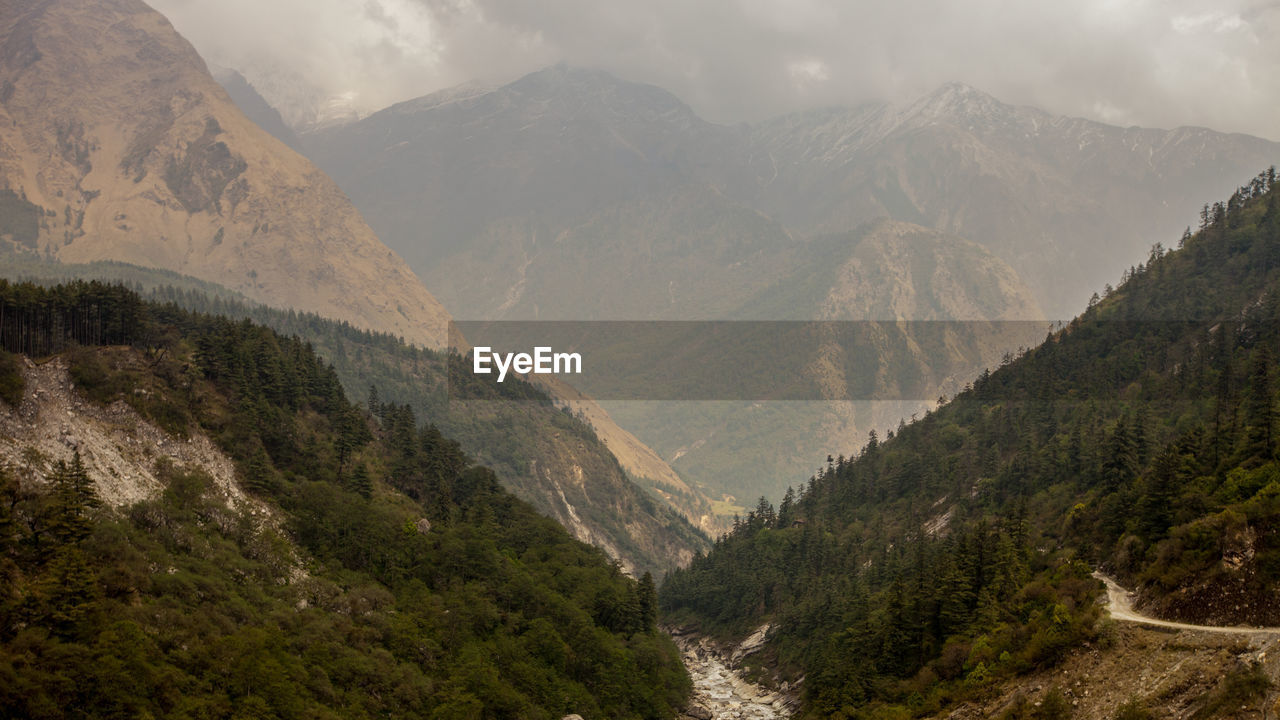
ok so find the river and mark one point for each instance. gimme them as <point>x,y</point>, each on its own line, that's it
<point>719,693</point>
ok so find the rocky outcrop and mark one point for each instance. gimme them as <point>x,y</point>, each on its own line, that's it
<point>719,691</point>
<point>119,448</point>
<point>112,127</point>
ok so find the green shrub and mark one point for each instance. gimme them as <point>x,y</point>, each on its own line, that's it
<point>1133,709</point>
<point>1240,687</point>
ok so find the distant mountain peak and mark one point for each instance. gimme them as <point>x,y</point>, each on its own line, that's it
<point>593,86</point>
<point>953,101</point>
<point>253,105</point>
<point>440,98</point>
<point>957,88</point>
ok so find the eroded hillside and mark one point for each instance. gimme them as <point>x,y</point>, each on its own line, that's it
<point>116,143</point>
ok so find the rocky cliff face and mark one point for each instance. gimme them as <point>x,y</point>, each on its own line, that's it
<point>123,147</point>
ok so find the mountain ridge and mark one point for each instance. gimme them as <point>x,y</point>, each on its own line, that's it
<point>947,564</point>
<point>175,540</point>
<point>152,161</point>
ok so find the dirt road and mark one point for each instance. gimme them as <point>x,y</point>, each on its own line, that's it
<point>1120,604</point>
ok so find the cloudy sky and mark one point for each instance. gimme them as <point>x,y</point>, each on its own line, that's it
<point>1157,63</point>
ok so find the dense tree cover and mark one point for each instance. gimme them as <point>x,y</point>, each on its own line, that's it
<point>39,321</point>
<point>374,571</point>
<point>514,437</point>
<point>11,381</point>
<point>1140,437</point>
<point>512,427</point>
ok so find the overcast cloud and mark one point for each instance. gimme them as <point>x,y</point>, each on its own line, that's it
<point>1156,63</point>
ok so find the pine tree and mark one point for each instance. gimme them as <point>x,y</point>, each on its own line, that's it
<point>1121,458</point>
<point>259,475</point>
<point>73,499</point>
<point>786,509</point>
<point>1155,511</point>
<point>648,597</point>
<point>67,589</point>
<point>360,482</point>
<point>1260,411</point>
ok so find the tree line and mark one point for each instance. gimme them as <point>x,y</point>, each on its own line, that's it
<point>956,551</point>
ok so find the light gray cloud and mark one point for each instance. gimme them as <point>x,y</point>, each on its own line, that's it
<point>1149,62</point>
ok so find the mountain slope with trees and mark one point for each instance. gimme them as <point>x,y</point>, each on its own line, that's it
<point>957,552</point>
<point>387,576</point>
<point>570,194</point>
<point>545,455</point>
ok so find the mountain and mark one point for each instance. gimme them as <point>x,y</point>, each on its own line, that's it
<point>255,107</point>
<point>543,454</point>
<point>887,270</point>
<point>1062,200</point>
<point>496,197</point>
<point>946,564</point>
<point>117,144</point>
<point>573,194</point>
<point>195,521</point>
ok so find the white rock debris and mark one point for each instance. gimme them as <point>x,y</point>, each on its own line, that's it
<point>119,448</point>
<point>719,692</point>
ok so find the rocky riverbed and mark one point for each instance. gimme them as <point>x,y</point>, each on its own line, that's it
<point>719,693</point>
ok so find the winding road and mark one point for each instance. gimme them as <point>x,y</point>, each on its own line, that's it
<point>1120,605</point>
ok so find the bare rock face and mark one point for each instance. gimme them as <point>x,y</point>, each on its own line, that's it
<point>118,143</point>
<point>754,642</point>
<point>119,448</point>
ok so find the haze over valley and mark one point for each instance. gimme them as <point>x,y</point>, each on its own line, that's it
<point>949,340</point>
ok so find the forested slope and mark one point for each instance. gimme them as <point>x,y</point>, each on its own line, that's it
<point>1140,437</point>
<point>376,572</point>
<point>548,457</point>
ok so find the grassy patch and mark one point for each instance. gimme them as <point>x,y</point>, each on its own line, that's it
<point>724,508</point>
<point>1239,688</point>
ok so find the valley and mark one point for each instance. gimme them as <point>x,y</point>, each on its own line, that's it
<point>574,194</point>
<point>558,394</point>
<point>942,569</point>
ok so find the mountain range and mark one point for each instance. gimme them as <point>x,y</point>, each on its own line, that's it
<point>495,196</point>
<point>241,478</point>
<point>573,194</point>
<point>117,144</point>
